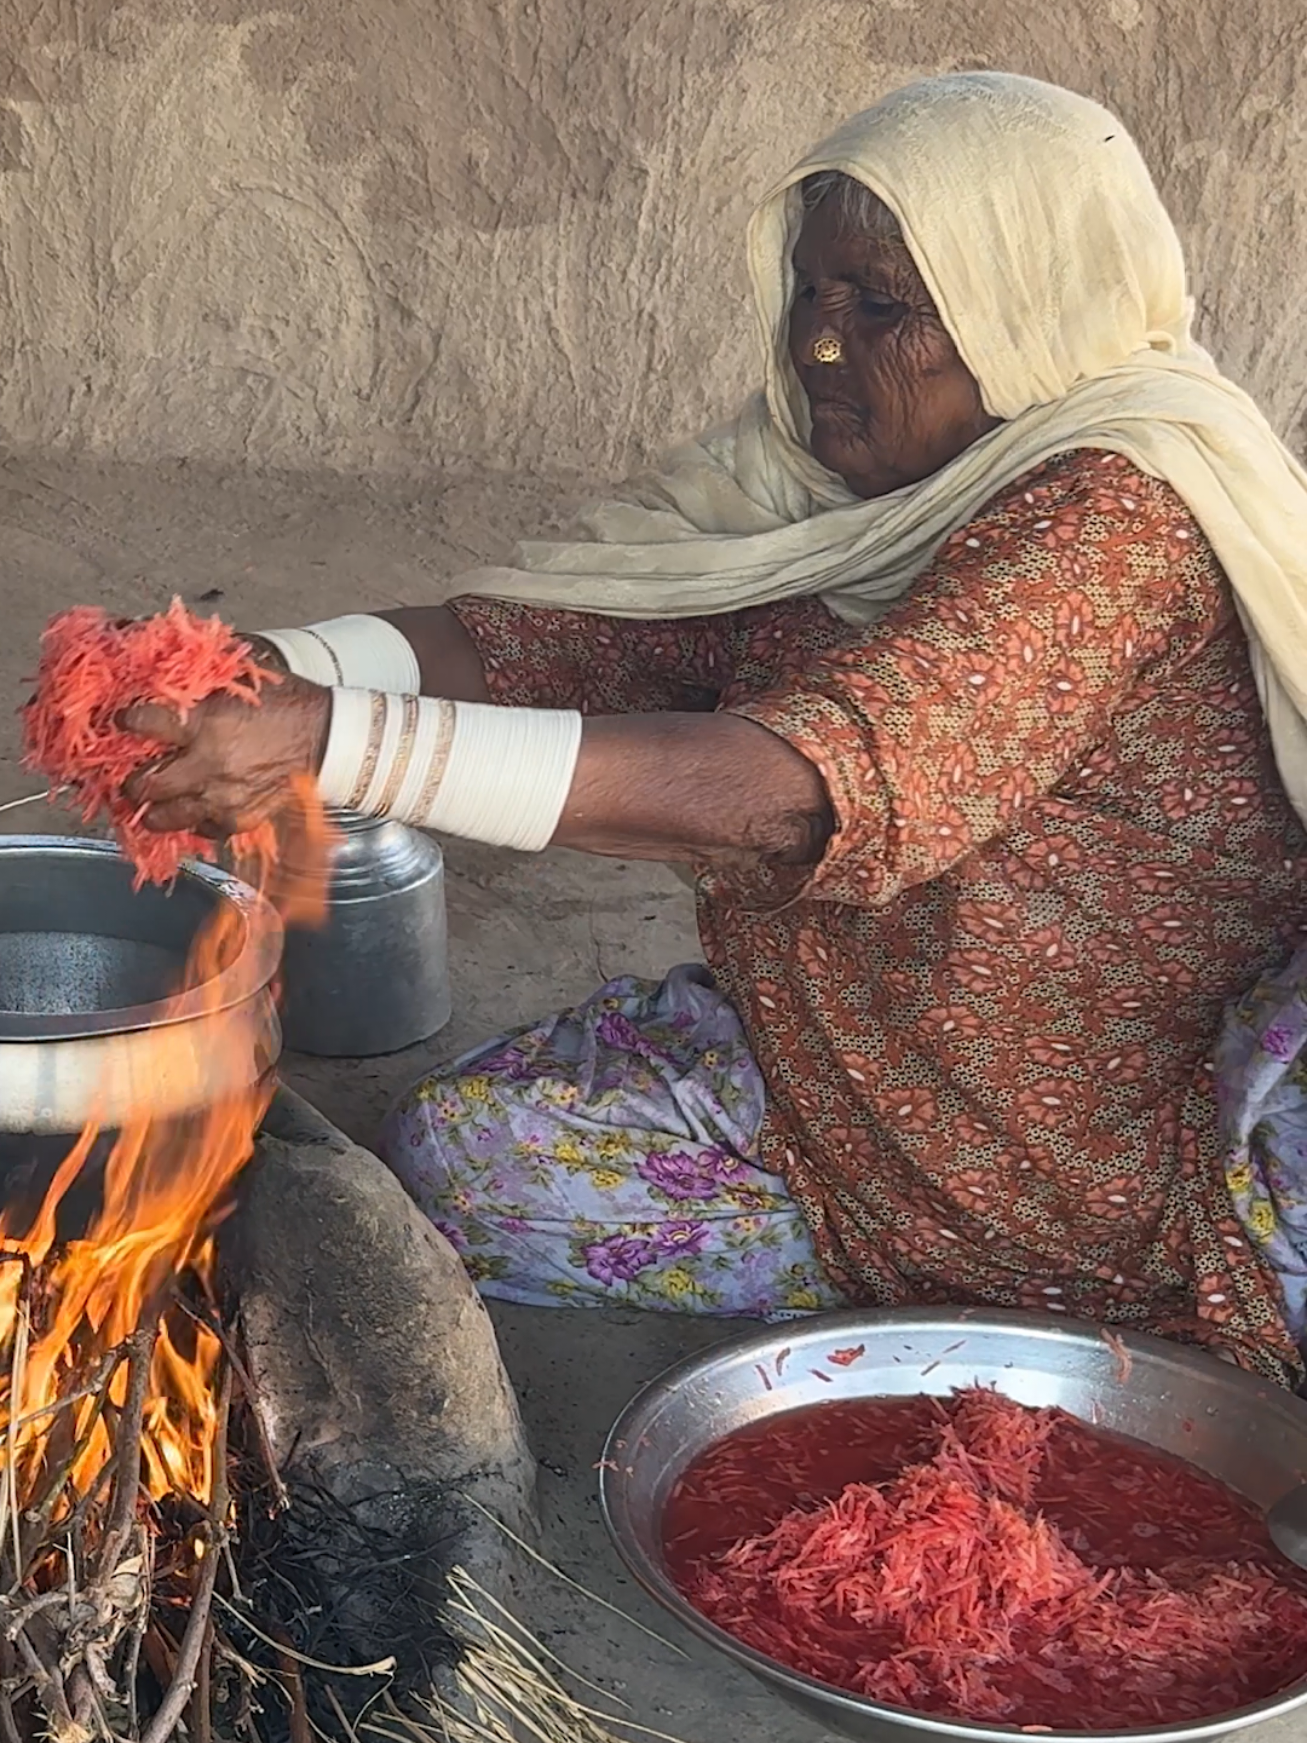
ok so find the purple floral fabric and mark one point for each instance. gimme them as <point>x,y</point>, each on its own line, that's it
<point>1261,1077</point>
<point>608,1156</point>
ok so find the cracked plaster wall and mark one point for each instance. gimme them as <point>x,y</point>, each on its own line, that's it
<point>398,234</point>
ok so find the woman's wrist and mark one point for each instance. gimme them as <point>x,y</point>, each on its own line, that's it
<point>266,653</point>
<point>319,708</point>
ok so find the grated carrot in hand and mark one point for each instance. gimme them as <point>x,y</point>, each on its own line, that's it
<point>92,668</point>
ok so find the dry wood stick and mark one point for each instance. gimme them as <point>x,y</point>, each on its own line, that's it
<point>80,1693</point>
<point>139,1628</point>
<point>92,1389</point>
<point>280,1493</point>
<point>199,1721</point>
<point>300,1729</point>
<point>173,1705</point>
<point>42,1667</point>
<point>72,1525</point>
<point>41,1511</point>
<point>160,1652</point>
<point>244,1713</point>
<point>8,1723</point>
<point>21,1614</point>
<point>17,1369</point>
<point>127,1443</point>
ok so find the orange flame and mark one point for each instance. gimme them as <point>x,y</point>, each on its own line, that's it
<point>166,1186</point>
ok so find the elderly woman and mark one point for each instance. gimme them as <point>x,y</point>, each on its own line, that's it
<point>965,670</point>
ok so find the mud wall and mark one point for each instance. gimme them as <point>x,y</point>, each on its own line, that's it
<point>401,233</point>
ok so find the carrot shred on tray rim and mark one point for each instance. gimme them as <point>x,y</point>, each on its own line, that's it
<point>92,668</point>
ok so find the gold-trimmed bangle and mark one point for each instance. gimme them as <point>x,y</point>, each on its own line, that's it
<point>401,759</point>
<point>439,761</point>
<point>376,736</point>
<point>330,652</point>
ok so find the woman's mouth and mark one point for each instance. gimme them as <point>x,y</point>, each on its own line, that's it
<point>830,410</point>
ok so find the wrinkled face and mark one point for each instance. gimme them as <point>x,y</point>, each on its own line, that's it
<point>898,402</point>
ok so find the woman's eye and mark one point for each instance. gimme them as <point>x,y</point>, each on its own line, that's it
<point>881,308</point>
<point>806,293</point>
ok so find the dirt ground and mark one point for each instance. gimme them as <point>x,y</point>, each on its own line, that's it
<point>526,936</point>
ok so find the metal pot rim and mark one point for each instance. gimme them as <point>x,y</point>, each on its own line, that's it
<point>252,971</point>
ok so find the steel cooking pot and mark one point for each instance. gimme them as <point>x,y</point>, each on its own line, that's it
<point>91,1027</point>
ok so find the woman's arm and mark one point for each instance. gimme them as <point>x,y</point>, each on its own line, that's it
<point>484,650</point>
<point>685,787</point>
<point>673,787</point>
<point>352,650</point>
<point>448,658</point>
<point>900,751</point>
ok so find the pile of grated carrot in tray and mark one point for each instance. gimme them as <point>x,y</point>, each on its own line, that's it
<point>91,669</point>
<point>978,1560</point>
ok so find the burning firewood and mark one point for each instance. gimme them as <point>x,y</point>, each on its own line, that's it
<point>76,1567</point>
<point>104,1586</point>
<point>114,1411</point>
<point>117,1380</point>
<point>143,1545</point>
<point>164,1559</point>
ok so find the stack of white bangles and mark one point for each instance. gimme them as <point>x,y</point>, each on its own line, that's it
<point>498,775</point>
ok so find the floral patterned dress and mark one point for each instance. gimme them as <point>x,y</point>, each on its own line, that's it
<point>610,1155</point>
<point>1261,1082</point>
<point>984,1024</point>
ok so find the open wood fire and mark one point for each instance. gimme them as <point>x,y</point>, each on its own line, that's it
<point>116,1385</point>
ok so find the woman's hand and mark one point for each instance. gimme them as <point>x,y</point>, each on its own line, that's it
<point>232,762</point>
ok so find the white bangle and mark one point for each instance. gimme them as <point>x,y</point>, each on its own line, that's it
<point>359,653</point>
<point>498,775</point>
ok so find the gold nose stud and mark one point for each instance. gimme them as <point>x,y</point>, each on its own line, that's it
<point>829,348</point>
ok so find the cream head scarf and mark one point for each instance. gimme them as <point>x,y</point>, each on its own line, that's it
<point>1036,226</point>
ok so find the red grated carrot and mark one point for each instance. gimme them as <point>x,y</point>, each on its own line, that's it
<point>991,1563</point>
<point>1125,1362</point>
<point>846,1358</point>
<point>91,669</point>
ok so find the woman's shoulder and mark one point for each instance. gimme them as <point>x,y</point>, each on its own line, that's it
<point>1092,481</point>
<point>1088,497</point>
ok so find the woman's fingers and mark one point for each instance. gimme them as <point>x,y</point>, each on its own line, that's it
<point>179,814</point>
<point>174,777</point>
<point>152,720</point>
<point>216,807</point>
<point>217,814</point>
